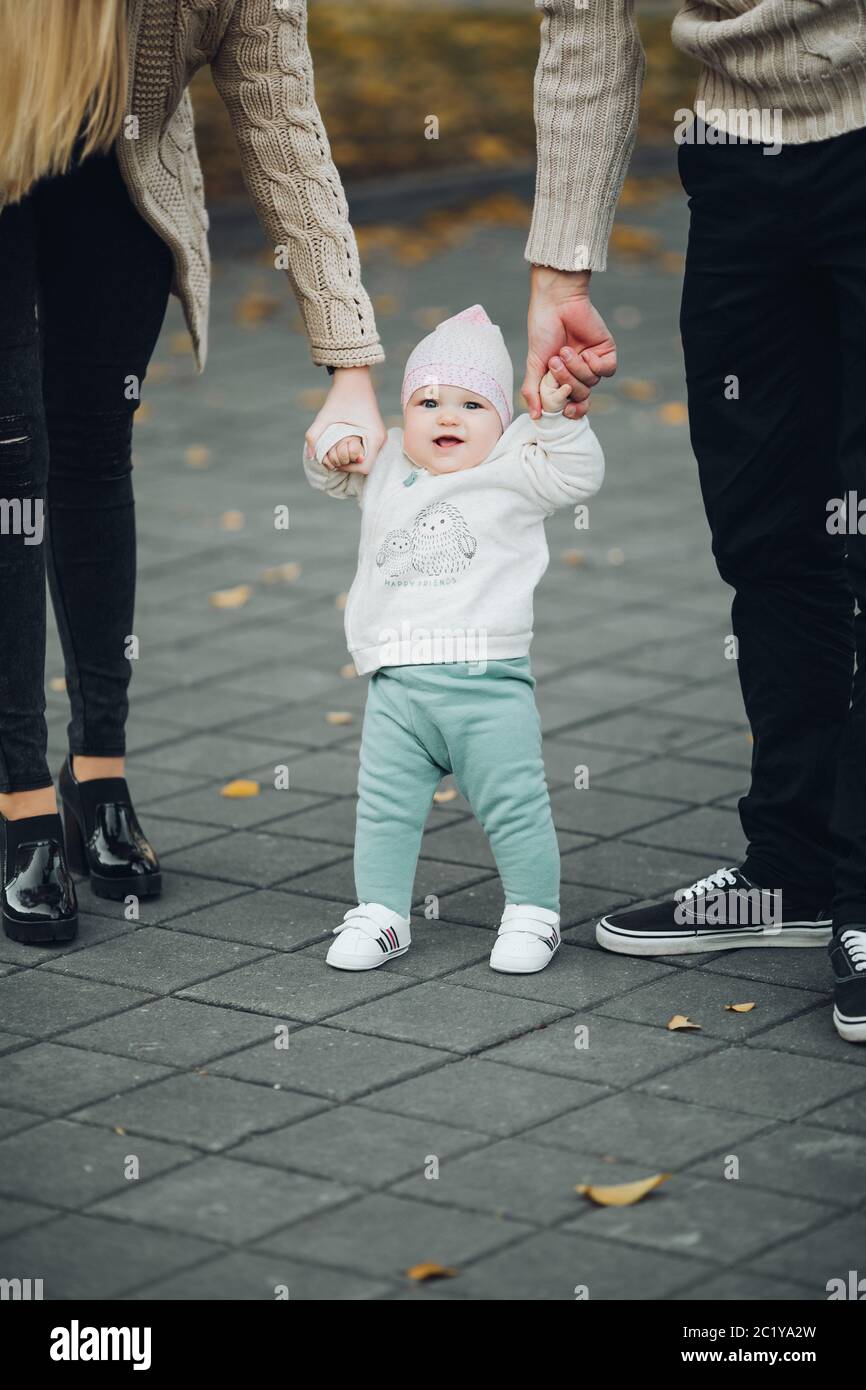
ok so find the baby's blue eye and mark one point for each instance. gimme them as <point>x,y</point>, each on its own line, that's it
<point>428,401</point>
<point>472,405</point>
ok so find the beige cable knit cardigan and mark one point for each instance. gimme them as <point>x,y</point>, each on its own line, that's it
<point>804,58</point>
<point>261,65</point>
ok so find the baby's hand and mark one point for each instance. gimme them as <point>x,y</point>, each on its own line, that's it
<point>553,396</point>
<point>347,456</point>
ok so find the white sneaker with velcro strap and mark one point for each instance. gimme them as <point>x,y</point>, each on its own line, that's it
<point>527,940</point>
<point>368,935</point>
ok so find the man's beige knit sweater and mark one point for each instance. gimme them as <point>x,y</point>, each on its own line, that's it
<point>803,58</point>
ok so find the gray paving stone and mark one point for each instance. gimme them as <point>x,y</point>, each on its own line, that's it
<point>722,1221</point>
<point>703,830</point>
<point>181,893</point>
<point>224,756</point>
<point>206,806</point>
<point>91,929</point>
<point>65,1165</point>
<point>813,1033</point>
<point>740,1286</point>
<point>556,1267</point>
<point>331,1062</point>
<point>764,1083</point>
<point>702,997</point>
<point>687,779</point>
<point>221,1199</point>
<point>387,1235</point>
<point>802,1159</point>
<point>595,810</point>
<point>278,921</point>
<point>50,1078</point>
<point>168,835</point>
<point>82,1257</point>
<point>637,870</point>
<point>244,1276</point>
<point>616,1053</point>
<point>357,1146</point>
<point>34,1002</point>
<point>444,1015</point>
<point>324,771</point>
<point>813,1257</point>
<point>291,987</point>
<point>645,731</point>
<point>253,858</point>
<point>805,968</point>
<point>201,1110</point>
<point>847,1114</point>
<point>175,1032</point>
<point>475,1094</point>
<point>155,959</point>
<point>18,1216</point>
<point>12,1120</point>
<point>577,978</point>
<point>666,1134</point>
<point>515,1178</point>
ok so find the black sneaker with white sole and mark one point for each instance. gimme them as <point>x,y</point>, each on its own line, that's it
<point>723,911</point>
<point>848,959</point>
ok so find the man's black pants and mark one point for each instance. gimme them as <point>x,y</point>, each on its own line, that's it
<point>774,332</point>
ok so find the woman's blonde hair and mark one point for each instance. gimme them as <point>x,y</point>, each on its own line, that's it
<point>62,68</point>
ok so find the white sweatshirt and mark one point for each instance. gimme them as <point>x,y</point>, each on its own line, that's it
<point>448,562</point>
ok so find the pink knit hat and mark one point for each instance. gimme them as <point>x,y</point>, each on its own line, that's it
<point>466,350</point>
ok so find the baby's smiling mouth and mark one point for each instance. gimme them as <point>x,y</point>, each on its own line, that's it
<point>447,441</point>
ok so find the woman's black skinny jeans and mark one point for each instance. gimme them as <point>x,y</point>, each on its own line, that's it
<point>84,283</point>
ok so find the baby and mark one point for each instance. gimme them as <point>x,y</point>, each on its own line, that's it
<point>440,613</point>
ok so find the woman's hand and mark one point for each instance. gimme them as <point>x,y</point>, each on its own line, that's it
<point>351,399</point>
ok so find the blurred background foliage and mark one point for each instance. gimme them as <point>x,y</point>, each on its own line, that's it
<point>383,66</point>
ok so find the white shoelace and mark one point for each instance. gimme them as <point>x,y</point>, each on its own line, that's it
<point>855,941</point>
<point>722,878</point>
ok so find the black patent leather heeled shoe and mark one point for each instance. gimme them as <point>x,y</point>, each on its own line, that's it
<point>37,894</point>
<point>104,840</point>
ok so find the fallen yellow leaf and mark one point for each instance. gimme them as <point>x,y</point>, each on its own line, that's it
<point>341,601</point>
<point>624,1194</point>
<point>673,413</point>
<point>449,794</point>
<point>339,716</point>
<point>256,306</point>
<point>57,683</point>
<point>278,574</point>
<point>349,671</point>
<point>118,1129</point>
<point>430,1271</point>
<point>179,343</point>
<point>679,1021</point>
<point>574,558</point>
<point>740,1008</point>
<point>232,598</point>
<point>232,521</point>
<point>242,786</point>
<point>636,390</point>
<point>197,456</point>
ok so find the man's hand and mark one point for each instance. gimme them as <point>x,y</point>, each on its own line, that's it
<point>567,334</point>
<point>351,399</point>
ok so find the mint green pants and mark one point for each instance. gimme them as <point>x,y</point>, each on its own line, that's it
<point>422,722</point>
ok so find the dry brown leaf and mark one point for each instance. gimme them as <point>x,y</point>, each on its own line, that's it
<point>57,683</point>
<point>673,413</point>
<point>143,414</point>
<point>241,787</point>
<point>624,1194</point>
<point>574,558</point>
<point>740,1008</point>
<point>232,521</point>
<point>118,1129</point>
<point>422,1272</point>
<point>349,671</point>
<point>232,598</point>
<point>179,344</point>
<point>341,600</point>
<point>339,716</point>
<point>680,1022</point>
<point>282,574</point>
<point>197,456</point>
<point>633,241</point>
<point>635,389</point>
<point>385,304</point>
<point>672,261</point>
<point>157,372</point>
<point>443,797</point>
<point>255,307</point>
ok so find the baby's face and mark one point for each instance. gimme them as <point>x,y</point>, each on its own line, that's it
<point>446,428</point>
